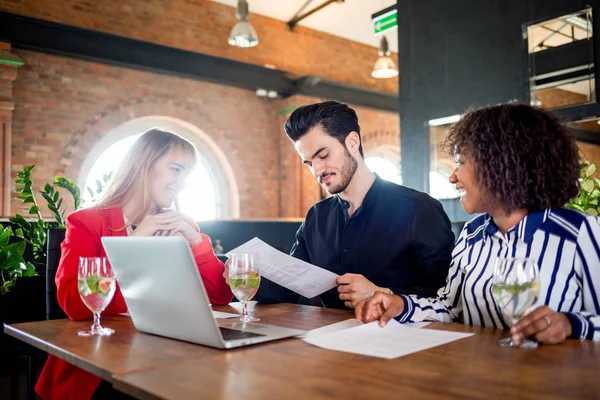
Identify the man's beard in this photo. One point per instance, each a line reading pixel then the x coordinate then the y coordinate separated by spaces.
pixel 348 170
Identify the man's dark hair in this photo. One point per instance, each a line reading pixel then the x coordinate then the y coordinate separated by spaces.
pixel 337 119
pixel 524 157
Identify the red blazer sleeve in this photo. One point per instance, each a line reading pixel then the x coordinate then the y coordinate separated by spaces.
pixel 82 239
pixel 211 270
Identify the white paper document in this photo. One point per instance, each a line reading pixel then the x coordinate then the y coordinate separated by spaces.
pixel 350 323
pixel 299 276
pixel 338 326
pixel 393 341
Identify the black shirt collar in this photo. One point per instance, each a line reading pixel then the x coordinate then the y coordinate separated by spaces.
pixel 367 201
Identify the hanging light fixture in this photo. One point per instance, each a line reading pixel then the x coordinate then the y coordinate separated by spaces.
pixel 243 34
pixel 384 66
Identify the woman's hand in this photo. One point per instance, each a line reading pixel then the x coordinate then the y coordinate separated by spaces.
pixel 226 272
pixel 152 224
pixel 544 324
pixel 171 223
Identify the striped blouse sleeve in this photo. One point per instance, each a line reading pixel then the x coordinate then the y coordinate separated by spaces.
pixel 586 324
pixel 447 306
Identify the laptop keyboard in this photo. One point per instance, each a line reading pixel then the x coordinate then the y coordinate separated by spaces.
pixel 233 334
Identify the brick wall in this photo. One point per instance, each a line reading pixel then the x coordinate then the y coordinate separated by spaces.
pixel 203 26
pixel 63 107
pixel 554 98
pixel 590 152
pixel 8 74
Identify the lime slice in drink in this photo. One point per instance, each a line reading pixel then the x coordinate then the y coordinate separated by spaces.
pixel 235 282
pixel 92 282
pixel 588 185
pixel 253 282
pixel 590 170
pixel 83 287
pixel 515 288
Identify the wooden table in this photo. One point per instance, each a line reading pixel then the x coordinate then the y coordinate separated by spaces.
pixel 151 367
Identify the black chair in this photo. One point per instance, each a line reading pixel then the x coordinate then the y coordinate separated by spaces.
pixel 55 238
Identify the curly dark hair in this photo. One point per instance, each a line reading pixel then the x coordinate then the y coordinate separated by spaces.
pixel 524 157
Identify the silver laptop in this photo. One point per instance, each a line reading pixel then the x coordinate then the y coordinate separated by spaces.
pixel 165 294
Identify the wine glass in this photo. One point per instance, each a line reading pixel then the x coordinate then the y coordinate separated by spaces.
pixel 244 280
pixel 516 288
pixel 97 285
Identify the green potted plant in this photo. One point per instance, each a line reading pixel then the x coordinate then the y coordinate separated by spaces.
pixel 13 267
pixel 12 264
pixel 34 230
pixel 25 299
pixel 588 199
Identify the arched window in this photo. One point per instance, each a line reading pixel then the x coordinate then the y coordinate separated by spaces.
pixel 385 162
pixel 210 191
pixel 440 187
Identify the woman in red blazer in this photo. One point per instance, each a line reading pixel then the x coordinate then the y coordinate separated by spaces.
pixel 146 183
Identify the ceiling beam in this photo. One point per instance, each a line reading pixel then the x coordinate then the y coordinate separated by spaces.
pixel 561 58
pixel 328 90
pixel 580 112
pixel 297 18
pixel 49 37
pixel 584 135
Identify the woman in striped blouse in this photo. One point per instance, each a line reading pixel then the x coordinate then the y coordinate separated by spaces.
pixel 517 165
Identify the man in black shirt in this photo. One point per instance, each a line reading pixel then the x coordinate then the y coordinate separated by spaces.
pixel 377 235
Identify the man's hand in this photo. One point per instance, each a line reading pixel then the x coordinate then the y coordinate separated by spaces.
pixel 354 288
pixel 381 306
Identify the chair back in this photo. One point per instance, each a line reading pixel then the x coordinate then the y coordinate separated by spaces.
pixel 55 238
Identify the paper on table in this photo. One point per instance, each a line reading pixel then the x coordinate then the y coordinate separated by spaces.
pixel 220 314
pixel 392 341
pixel 297 275
pixel 338 326
pixel 350 323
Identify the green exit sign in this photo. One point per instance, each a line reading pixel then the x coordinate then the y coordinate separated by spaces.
pixel 385 20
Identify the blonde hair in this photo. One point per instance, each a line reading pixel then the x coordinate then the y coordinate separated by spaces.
pixel 130 180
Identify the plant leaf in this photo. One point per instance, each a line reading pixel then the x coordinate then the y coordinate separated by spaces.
pixel 70 186
pixel 27 269
pixel 588 185
pixel 5 236
pixel 34 210
pixel 590 170
pixel 11 255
